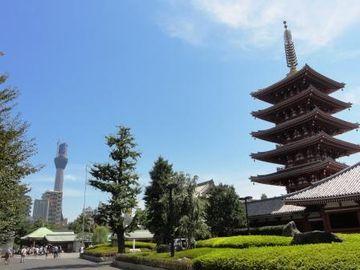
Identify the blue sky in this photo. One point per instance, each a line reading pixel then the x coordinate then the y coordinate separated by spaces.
pixel 179 73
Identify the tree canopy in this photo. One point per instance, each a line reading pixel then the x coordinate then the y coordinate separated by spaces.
pixel 120 180
pixel 15 153
pixel 224 211
pixel 186 216
pixel 155 200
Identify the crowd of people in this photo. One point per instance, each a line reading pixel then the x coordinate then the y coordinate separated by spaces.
pixel 34 251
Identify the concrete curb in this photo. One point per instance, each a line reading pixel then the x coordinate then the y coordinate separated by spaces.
pixel 95 258
pixel 133 266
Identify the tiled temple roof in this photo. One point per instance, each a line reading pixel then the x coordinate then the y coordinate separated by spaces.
pixel 344 185
pixel 331 85
pixel 311 92
pixel 315 115
pixel 271 207
pixel 314 166
pixel 322 137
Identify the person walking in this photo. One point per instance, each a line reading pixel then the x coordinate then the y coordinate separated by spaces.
pixel 7 256
pixel 22 255
pixel 56 251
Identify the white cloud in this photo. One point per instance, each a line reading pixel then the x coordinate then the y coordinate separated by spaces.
pixel 315 23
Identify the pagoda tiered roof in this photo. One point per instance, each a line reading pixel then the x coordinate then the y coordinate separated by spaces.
pixel 332 125
pixel 342 186
pixel 305 75
pixel 310 95
pixel 279 177
pixel 302 111
pixel 277 155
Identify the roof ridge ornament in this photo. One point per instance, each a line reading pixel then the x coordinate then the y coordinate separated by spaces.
pixel 290 53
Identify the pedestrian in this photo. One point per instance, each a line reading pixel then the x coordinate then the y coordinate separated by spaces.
pixel 7 256
pixel 56 250
pixel 23 254
pixel 46 250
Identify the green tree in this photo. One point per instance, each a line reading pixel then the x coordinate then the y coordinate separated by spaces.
pixel 263 196
pixel 86 221
pixel 141 217
pixel 224 211
pixel 120 180
pixel 100 235
pixel 15 153
pixel 156 202
pixel 191 223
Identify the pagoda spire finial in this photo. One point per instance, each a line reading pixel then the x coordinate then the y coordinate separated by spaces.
pixel 290 53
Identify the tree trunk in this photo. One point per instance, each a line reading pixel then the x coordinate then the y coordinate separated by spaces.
pixel 120 241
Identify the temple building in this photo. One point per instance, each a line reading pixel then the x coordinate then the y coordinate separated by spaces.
pixel 302 112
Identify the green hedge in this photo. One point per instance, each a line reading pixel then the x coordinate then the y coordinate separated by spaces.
pixel 265 230
pixel 245 241
pixel 101 251
pixel 107 250
pixel 335 256
pixel 183 264
pixel 141 245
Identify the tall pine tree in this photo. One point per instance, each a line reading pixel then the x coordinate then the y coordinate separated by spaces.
pixel 120 179
pixel 15 153
pixel 156 202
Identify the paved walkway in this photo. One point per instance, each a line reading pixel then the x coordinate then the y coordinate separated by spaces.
pixel 66 261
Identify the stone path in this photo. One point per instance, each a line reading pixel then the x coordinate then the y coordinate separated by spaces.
pixel 66 261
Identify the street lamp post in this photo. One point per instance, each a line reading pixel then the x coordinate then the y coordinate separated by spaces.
pixel 83 218
pixel 246 199
pixel 171 218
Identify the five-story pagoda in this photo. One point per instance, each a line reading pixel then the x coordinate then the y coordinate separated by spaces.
pixel 302 111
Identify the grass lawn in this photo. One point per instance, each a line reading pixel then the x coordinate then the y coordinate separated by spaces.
pixel 335 256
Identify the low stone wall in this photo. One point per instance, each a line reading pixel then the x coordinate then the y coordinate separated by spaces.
pixel 95 258
pixel 133 266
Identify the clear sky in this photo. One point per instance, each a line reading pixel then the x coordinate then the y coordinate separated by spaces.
pixel 179 73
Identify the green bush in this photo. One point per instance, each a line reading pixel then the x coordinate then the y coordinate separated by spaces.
pixel 335 256
pixel 245 241
pixel 142 258
pixel 141 245
pixel 107 250
pixel 101 251
pixel 265 230
pixel 100 235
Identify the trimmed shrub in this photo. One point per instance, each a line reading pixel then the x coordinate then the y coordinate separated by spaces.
pixel 334 256
pixel 101 251
pixel 141 245
pixel 245 241
pixel 265 230
pixel 181 264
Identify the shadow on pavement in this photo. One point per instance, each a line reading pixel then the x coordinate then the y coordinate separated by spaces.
pixel 70 266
